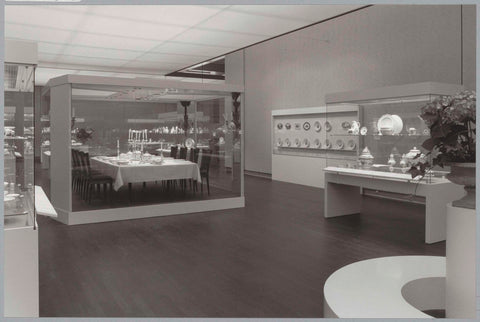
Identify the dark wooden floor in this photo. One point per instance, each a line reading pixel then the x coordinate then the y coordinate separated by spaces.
pixel 269 259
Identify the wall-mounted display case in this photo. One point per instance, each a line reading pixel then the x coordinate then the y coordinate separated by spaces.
pixel 305 138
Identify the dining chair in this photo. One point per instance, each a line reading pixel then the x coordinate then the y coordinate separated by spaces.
pixel 77 171
pixel 193 157
pixel 173 151
pixel 183 153
pixel 94 179
pixel 205 169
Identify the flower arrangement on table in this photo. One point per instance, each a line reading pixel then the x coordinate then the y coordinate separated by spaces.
pixel 83 135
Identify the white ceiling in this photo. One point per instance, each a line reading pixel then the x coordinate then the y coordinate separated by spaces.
pixel 148 39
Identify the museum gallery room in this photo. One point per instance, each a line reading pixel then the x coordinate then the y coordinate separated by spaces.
pixel 249 161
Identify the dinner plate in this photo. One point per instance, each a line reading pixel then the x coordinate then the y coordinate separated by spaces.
pixel 339 144
pixel 351 145
pixel 346 125
pixel 189 143
pixel 317 143
pixel 328 145
pixel 306 143
pixel 390 123
pixel 328 126
pixel 318 126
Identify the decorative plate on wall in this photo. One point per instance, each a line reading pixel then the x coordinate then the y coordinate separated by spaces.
pixel 339 144
pixel 280 126
pixel 189 143
pixel 279 142
pixel 306 143
pixel 297 126
pixel 297 142
pixel 328 145
pixel 287 126
pixel 318 126
pixel 328 126
pixel 351 145
pixel 317 143
pixel 363 130
pixel 306 126
pixel 346 125
pixel 287 142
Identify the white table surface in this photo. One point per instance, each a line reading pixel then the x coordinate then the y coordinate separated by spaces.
pixel 373 288
pixel 382 175
pixel 170 169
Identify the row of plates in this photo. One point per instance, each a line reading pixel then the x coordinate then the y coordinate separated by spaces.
pixel 317 126
pixel 339 144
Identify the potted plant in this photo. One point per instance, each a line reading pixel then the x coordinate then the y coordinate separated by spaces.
pixel 451 120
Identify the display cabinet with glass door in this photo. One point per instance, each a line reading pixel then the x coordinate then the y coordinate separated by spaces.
pixel 388 134
pixel 18 146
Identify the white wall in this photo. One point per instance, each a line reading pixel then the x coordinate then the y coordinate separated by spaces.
pixel 377 46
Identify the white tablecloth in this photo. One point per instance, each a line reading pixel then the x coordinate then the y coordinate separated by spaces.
pixel 170 169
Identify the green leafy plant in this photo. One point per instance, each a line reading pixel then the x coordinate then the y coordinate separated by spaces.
pixel 451 120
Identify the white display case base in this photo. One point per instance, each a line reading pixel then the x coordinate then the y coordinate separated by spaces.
pixel 343 195
pixel 460 281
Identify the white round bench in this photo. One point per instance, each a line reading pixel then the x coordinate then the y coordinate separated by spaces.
pixel 386 287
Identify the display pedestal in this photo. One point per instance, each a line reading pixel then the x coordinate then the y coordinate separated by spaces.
pixel 460 273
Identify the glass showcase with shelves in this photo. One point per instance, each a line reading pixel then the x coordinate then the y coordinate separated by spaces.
pixel 388 133
pixel 18 146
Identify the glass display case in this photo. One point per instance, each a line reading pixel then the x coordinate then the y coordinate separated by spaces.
pixel 143 143
pixel 388 134
pixel 18 146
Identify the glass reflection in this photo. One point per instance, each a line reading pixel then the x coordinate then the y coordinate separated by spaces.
pixel 144 148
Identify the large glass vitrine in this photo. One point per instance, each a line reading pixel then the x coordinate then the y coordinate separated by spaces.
pixel 18 146
pixel 144 143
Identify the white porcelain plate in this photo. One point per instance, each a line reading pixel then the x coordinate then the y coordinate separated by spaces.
pixel 189 143
pixel 306 126
pixel 306 143
pixel 339 144
pixel 351 145
pixel 328 145
pixel 328 126
pixel 393 122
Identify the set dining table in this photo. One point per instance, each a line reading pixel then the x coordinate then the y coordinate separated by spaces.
pixel 125 172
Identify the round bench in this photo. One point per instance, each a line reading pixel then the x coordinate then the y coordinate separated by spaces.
pixel 386 287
